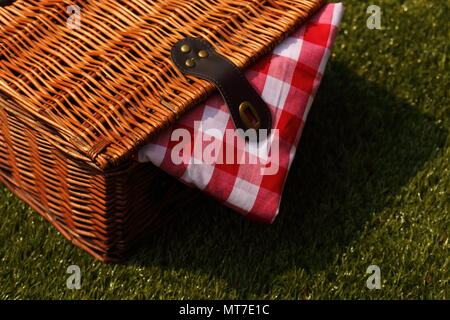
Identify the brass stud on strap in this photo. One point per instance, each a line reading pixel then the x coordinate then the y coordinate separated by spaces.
pixel 190 63
pixel 185 48
pixel 203 54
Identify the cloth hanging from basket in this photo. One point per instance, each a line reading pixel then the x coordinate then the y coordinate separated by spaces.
pixel 287 80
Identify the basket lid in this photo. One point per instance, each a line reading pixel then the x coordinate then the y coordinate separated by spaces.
pixel 98 75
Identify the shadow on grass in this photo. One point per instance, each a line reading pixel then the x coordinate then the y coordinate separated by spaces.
pixel 360 146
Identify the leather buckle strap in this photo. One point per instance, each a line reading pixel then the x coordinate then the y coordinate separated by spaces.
pixel 197 57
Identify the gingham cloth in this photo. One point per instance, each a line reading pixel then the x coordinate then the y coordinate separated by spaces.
pixel 287 80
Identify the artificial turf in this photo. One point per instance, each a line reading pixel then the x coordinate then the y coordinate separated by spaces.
pixel 370 186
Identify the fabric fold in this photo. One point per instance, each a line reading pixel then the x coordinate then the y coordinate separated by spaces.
pixel 204 151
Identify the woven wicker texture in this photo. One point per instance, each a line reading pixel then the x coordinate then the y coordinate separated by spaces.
pixel 107 87
pixel 104 213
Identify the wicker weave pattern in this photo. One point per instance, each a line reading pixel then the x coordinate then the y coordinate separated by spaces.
pixel 106 88
pixel 103 213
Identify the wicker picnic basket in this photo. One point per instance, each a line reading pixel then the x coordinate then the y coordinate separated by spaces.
pixel 77 103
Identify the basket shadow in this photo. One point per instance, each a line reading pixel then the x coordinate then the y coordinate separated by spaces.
pixel 360 146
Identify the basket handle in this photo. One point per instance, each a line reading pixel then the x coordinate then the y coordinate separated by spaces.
pixel 198 58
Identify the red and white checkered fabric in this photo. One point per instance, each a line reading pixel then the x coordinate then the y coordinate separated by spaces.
pixel 287 80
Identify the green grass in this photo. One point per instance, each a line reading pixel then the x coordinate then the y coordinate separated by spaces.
pixel 370 185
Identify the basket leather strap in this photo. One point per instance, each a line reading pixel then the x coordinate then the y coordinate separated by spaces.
pixel 197 57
